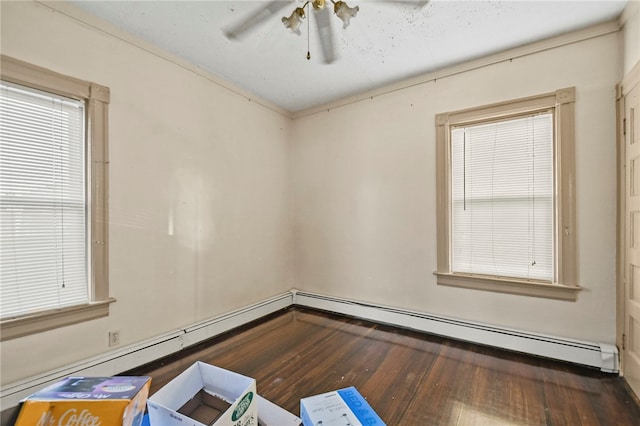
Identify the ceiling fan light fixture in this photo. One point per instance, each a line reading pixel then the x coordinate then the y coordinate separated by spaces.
pixel 293 22
pixel 344 12
pixel 318 4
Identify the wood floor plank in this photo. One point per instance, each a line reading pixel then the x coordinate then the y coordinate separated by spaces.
pixel 409 378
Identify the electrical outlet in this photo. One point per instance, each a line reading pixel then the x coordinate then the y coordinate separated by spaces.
pixel 114 338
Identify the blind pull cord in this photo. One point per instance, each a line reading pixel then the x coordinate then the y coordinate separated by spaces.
pixel 464 170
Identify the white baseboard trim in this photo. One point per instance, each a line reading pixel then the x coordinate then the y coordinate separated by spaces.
pixel 206 329
pixel 599 355
pixel 132 356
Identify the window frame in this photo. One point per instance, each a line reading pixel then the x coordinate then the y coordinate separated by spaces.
pixel 566 287
pixel 96 98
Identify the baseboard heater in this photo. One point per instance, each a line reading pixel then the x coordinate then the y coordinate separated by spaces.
pixel 602 356
pixel 132 356
pixel 599 355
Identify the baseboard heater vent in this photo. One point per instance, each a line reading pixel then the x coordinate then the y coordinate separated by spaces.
pixel 132 356
pixel 602 356
pixel 599 355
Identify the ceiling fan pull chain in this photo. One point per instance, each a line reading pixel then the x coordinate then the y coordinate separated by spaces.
pixel 308 48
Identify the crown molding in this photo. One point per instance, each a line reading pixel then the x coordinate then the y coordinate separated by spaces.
pixel 96 24
pixel 599 30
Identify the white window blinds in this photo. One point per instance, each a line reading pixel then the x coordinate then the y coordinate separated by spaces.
pixel 502 198
pixel 43 244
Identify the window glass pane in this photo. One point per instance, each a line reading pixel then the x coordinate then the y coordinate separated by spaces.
pixel 502 198
pixel 43 244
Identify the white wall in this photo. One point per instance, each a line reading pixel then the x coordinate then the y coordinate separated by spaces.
pixel 365 195
pixel 630 36
pixel 201 191
pixel 200 196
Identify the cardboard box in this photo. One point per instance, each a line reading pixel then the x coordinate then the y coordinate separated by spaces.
pixel 338 408
pixel 204 407
pixel 119 400
pixel 269 414
pixel 208 385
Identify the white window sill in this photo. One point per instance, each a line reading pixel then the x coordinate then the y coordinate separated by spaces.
pixel 30 324
pixel 509 285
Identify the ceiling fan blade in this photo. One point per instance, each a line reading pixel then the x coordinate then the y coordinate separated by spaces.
pixel 418 4
pixel 256 18
pixel 323 22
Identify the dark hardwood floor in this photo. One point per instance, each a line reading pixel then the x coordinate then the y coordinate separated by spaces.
pixel 409 378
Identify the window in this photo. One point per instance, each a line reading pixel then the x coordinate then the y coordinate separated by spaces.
pixel 506 197
pixel 53 191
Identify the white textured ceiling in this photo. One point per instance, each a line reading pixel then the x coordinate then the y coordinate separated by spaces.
pixel 387 41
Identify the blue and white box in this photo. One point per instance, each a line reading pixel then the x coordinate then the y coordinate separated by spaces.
pixel 338 408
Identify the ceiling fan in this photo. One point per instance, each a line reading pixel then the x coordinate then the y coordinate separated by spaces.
pixel 322 15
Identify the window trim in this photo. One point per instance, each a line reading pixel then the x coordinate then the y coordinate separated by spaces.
pixel 566 288
pixel 97 99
